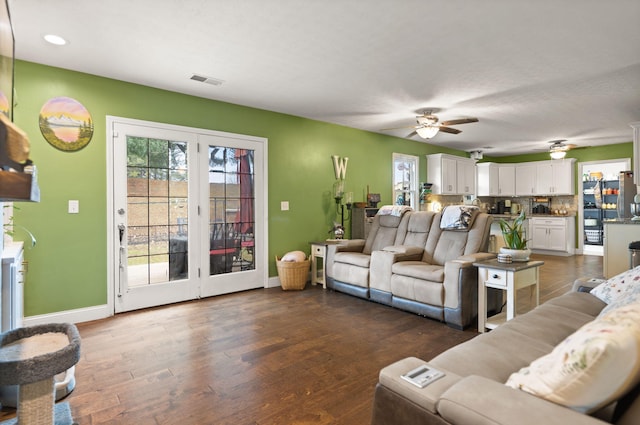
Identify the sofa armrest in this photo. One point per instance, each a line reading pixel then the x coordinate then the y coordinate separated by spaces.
pixel 350 245
pixel 383 261
pixel 478 400
pixel 585 284
pixel 477 257
pixel 453 272
pixel 404 250
pixel 426 397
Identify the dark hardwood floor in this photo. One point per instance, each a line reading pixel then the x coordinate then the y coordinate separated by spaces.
pixel 265 356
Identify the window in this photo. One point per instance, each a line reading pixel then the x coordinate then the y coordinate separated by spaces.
pixel 405 180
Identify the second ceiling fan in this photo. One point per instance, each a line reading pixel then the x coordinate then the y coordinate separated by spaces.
pixel 428 125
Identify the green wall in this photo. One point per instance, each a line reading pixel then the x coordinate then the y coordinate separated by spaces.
pixel 582 154
pixel 68 267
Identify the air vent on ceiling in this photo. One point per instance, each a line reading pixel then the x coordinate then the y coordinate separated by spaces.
pixel 208 80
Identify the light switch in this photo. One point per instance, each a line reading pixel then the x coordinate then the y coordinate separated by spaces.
pixel 74 206
pixel 284 206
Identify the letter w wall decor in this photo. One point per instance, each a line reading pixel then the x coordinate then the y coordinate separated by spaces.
pixel 340 166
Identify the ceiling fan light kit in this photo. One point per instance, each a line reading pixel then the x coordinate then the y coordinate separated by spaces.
pixel 557 154
pixel 427 132
pixel 429 125
pixel 558 149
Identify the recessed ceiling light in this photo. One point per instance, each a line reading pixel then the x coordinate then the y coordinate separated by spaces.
pixel 55 39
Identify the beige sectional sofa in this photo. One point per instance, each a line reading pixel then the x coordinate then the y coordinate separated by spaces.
pixel 554 345
pixel 412 261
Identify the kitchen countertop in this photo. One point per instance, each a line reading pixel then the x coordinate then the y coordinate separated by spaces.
pixel 569 215
pixel 621 221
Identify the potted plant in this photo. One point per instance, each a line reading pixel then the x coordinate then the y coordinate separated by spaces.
pixel 514 238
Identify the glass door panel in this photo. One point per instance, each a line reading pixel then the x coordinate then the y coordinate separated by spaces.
pixel 152 187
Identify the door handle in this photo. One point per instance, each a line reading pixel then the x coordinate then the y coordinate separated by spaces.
pixel 121 232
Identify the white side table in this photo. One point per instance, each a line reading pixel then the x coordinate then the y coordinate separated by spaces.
pixel 509 277
pixel 319 251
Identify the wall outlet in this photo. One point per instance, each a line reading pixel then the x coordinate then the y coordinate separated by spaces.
pixel 284 206
pixel 74 206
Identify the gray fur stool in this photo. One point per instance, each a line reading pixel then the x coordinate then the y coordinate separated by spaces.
pixel 31 357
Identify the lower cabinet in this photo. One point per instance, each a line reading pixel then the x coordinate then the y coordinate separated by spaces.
pixel 552 234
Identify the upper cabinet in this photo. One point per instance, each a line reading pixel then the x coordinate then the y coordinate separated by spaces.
pixel 451 175
pixel 526 179
pixel 496 179
pixel 555 177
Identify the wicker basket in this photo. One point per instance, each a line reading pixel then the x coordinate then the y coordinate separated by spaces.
pixel 293 274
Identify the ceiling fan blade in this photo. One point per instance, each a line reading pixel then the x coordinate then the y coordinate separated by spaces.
pixel 397 128
pixel 450 130
pixel 413 133
pixel 460 121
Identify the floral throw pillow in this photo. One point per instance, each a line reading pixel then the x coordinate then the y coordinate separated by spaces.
pixel 621 286
pixel 592 367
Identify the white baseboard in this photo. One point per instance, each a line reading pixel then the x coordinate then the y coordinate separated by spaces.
pixel 94 313
pixel 70 316
pixel 273 281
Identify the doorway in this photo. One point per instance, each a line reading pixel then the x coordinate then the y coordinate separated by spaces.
pixel 186 213
pixel 610 170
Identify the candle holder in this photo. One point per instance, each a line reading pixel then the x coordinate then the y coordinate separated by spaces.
pixel 339 195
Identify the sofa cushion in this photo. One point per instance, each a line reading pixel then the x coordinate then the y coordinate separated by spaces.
pixel 383 235
pixel 451 245
pixel 422 291
pixel 592 367
pixel 579 302
pixel 354 258
pixel 620 290
pixel 417 229
pixel 520 341
pixel 419 270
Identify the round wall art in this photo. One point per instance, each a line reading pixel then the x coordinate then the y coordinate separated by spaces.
pixel 66 124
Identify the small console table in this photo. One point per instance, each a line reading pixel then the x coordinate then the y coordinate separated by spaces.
pixel 509 277
pixel 319 252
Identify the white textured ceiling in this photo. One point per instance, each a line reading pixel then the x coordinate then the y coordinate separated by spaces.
pixel 530 71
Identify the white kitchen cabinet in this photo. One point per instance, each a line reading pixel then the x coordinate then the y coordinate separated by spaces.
pixel 555 177
pixel 466 176
pixel 451 175
pixel 495 179
pixel 552 234
pixel 507 179
pixel 525 179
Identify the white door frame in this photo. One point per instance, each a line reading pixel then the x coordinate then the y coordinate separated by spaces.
pixel 111 230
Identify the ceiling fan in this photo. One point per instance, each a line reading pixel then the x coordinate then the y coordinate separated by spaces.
pixel 559 149
pixel 429 125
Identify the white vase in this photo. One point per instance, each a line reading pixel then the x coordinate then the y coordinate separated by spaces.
pixel 520 255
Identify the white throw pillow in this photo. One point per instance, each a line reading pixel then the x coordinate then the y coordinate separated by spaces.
pixel 294 256
pixel 594 366
pixel 620 290
pixel 618 286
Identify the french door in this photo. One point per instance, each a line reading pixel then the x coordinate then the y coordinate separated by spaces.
pixel 187 218
pixel 234 193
